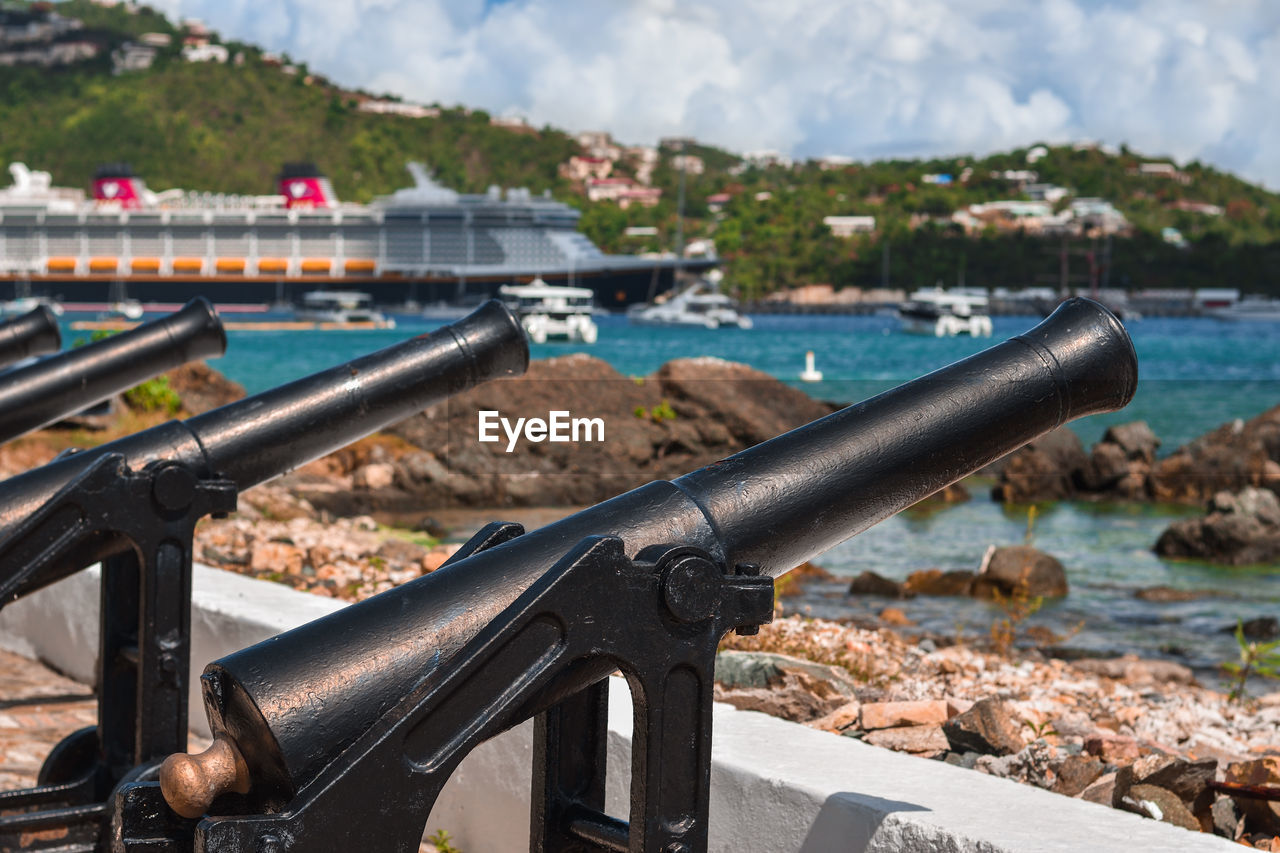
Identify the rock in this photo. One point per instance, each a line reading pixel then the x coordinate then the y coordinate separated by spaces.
pixel 1137 671
pixel 1020 570
pixel 1262 628
pixel 201 388
pixel 938 582
pixel 1135 439
pixel 787 687
pixel 894 617
pixel 967 760
pixel 870 583
pixel 1188 780
pixel 1031 765
pixel 1112 749
pixel 842 718
pixel 1159 804
pixel 1108 465
pixel 1044 470
pixel 1076 773
pixel 401 551
pixel 913 739
pixel 437 557
pixel 275 557
pixel 888 715
pixel 1226 818
pixel 378 475
pixel 1169 595
pixel 1261 815
pixel 987 728
pixel 748 669
pixel 794 581
pixel 1101 790
pixel 1238 529
pixel 709 409
pixel 1232 457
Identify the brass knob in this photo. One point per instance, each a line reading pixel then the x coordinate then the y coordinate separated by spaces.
pixel 190 783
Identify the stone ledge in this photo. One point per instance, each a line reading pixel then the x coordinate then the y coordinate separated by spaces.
pixel 775 785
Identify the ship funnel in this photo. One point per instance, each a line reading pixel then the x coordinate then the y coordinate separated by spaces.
pixel 303 185
pixel 115 183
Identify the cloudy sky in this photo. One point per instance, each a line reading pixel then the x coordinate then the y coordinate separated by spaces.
pixel 1191 79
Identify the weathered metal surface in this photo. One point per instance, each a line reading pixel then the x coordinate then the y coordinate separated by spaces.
pixel 44 392
pixel 342 685
pixel 33 333
pixel 257 438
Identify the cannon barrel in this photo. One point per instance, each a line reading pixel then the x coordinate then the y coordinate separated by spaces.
pixel 294 702
pixel 260 437
pixel 49 390
pixel 33 333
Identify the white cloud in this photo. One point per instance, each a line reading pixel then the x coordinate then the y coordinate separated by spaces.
pixel 1187 78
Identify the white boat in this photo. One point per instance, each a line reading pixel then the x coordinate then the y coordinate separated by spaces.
pixel 552 312
pixel 696 306
pixel 943 313
pixel 342 308
pixel 1250 307
pixel 130 309
pixel 23 304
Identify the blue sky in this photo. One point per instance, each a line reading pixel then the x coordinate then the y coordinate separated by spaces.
pixel 1190 79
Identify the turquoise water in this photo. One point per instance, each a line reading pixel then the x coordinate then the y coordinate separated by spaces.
pixel 1195 374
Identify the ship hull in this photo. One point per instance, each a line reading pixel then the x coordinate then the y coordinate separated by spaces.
pixel 613 288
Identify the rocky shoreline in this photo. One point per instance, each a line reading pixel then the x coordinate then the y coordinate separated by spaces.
pixel 1136 735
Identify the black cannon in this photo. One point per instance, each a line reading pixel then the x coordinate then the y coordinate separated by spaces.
pixel 42 393
pixel 133 503
pixel 33 333
pixel 341 733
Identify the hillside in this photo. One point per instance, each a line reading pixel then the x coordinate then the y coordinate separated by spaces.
pixel 229 127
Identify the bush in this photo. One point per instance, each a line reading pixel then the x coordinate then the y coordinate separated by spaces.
pixel 154 395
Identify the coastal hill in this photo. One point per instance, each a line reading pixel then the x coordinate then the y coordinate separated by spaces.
pixel 188 109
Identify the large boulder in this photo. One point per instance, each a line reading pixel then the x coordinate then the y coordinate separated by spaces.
pixel 1119 464
pixel 938 582
pixel 202 388
pixel 1019 570
pixel 1239 529
pixel 870 583
pixel 688 414
pixel 1044 470
pixel 1232 457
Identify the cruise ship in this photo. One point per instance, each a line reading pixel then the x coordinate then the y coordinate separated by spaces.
pixel 421 244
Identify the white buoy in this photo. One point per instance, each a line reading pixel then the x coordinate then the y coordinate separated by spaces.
pixel 810 373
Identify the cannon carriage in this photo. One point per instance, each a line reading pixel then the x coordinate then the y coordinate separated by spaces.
pixel 341 733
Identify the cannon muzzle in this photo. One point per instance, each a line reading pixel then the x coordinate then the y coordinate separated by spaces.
pixel 33 333
pixel 260 437
pixel 49 390
pixel 294 702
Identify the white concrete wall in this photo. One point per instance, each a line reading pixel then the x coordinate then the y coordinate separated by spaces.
pixel 776 786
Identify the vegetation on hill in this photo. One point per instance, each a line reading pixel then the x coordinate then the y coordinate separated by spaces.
pixel 230 127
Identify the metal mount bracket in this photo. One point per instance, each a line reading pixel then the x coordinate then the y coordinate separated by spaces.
pixel 144 637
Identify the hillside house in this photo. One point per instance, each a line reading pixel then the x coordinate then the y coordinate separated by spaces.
pixel 847 226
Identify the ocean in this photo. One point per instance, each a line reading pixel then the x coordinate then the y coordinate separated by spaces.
pixel 1195 374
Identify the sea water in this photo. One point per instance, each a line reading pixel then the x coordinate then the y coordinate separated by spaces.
pixel 1195 374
